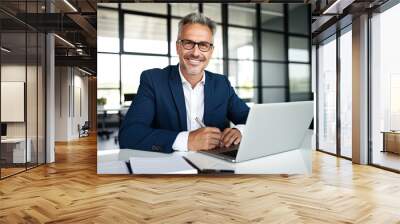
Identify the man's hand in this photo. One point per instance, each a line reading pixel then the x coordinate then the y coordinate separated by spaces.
pixel 231 136
pixel 204 139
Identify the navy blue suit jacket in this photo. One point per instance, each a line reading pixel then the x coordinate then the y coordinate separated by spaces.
pixel 158 112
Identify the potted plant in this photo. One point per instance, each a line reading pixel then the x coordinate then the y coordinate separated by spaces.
pixel 101 102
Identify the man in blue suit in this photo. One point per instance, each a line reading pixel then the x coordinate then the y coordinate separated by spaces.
pixel 173 104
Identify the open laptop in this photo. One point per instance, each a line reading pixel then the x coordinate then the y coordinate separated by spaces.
pixel 270 129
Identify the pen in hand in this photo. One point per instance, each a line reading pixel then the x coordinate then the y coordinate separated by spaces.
pixel 202 125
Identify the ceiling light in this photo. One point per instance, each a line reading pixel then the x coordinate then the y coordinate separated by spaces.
pixel 64 40
pixel 5 50
pixel 70 5
pixel 338 6
pixel 84 71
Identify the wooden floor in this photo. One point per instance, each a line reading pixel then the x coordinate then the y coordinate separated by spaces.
pixel 70 191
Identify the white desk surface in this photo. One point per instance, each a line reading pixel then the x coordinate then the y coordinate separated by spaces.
pixel 13 140
pixel 292 162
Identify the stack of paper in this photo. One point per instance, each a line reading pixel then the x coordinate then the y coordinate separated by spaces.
pixel 173 164
pixel 112 167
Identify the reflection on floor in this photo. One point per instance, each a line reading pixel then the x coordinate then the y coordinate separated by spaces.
pixel 110 143
pixel 386 159
pixel 10 171
pixel 347 152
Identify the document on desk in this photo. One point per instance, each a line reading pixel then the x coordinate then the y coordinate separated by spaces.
pixel 112 167
pixel 173 164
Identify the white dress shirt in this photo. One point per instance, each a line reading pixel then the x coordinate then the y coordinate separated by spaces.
pixel 194 103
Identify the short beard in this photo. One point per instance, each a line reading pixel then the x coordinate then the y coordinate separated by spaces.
pixel 190 71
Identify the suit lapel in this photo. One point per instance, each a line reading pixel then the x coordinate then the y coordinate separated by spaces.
pixel 175 84
pixel 208 96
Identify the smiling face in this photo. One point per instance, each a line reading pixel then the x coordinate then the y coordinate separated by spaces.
pixel 193 62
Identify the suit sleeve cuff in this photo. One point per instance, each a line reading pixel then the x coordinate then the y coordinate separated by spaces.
pixel 240 127
pixel 181 142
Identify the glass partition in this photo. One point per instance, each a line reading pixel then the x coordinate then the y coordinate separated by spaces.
pixel 346 93
pixel 15 149
pixel 327 97
pixel 22 77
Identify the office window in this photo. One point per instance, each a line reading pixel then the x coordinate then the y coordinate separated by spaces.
pixel 218 50
pixel 216 66
pixel 243 14
pixel 242 73
pixel 132 67
pixel 108 78
pixel 274 95
pixel 174 35
pixel 299 85
pixel 247 94
pixel 241 43
pixel 385 88
pixel 346 93
pixel 111 96
pixel 213 11
pixel 298 49
pixel 182 9
pixel 107 31
pixel 274 74
pixel 299 19
pixel 147 35
pixel 272 16
pixel 108 70
pixel 273 46
pixel 145 7
pixel 327 97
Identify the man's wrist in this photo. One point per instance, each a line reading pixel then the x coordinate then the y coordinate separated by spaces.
pixel 240 127
pixel 181 142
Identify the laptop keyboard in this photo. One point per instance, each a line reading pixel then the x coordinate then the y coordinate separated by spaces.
pixel 232 153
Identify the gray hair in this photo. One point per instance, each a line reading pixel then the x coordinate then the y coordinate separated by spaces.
pixel 197 18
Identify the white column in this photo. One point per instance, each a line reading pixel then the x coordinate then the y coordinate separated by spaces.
pixel 50 99
pixel 360 90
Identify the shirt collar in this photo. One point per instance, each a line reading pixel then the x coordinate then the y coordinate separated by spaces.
pixel 202 81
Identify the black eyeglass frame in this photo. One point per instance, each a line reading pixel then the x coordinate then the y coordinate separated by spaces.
pixel 194 43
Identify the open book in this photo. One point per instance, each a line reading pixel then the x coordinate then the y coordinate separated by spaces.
pixel 173 164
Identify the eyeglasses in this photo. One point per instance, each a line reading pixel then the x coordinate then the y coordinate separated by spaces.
pixel 189 45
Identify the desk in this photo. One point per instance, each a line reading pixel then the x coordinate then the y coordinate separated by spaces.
pixel 293 162
pixel 104 113
pixel 15 148
pixel 391 141
pixel 296 161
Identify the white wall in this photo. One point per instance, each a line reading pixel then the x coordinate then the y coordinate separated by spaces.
pixel 71 102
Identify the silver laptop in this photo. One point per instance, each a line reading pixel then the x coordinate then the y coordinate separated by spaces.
pixel 270 129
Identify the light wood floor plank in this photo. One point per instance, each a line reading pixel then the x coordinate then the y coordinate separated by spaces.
pixel 70 191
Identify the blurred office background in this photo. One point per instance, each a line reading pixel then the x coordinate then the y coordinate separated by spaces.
pixel 264 49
